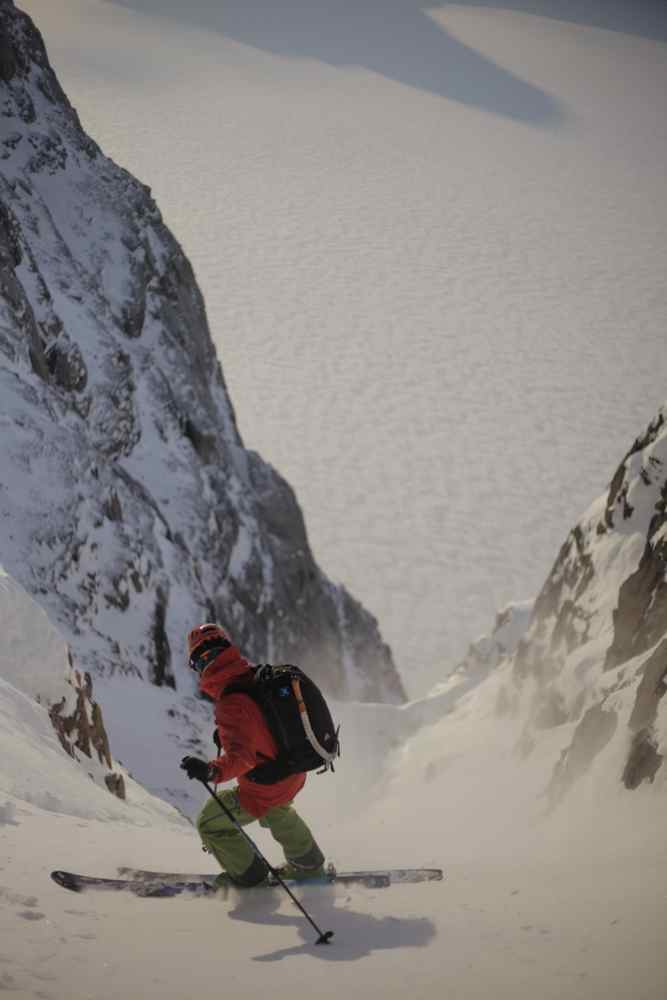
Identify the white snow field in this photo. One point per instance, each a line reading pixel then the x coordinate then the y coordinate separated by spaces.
pixel 538 902
pixel 431 238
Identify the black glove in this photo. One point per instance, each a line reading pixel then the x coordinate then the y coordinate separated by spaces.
pixel 194 767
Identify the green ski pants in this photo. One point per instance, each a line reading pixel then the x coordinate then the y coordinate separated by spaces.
pixel 235 855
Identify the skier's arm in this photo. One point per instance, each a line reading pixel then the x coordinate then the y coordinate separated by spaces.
pixel 235 762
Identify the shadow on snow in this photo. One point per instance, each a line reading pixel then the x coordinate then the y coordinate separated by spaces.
pixel 356 935
pixel 395 39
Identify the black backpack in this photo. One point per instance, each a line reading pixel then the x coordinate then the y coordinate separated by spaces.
pixel 297 716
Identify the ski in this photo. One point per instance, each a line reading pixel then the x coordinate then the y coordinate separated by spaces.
pixel 166 884
pixel 382 877
pixel 138 887
pixel 155 884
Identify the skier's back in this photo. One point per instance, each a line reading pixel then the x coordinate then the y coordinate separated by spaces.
pixel 244 736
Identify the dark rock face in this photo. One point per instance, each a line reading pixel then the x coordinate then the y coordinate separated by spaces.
pixel 558 613
pixel 639 619
pixel 644 760
pixel 129 507
pixel 7 60
pixel 600 622
pixel 618 489
pixel 80 729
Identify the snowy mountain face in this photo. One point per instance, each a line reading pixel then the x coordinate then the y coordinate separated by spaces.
pixel 129 507
pixel 596 650
pixel 570 685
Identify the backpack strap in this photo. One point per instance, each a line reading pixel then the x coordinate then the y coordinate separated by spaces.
pixel 327 757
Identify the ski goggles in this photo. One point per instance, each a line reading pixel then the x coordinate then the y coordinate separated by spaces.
pixel 205 652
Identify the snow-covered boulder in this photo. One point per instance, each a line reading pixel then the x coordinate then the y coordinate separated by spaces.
pixel 129 507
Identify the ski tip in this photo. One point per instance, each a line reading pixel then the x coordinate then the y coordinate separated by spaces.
pixel 66 880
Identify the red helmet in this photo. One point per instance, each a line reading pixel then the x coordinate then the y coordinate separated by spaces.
pixel 204 644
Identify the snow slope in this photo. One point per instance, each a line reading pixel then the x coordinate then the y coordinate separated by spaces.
pixel 431 239
pixel 539 900
pixel 556 872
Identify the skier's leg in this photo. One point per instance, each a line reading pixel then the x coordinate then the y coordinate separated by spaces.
pixel 221 838
pixel 301 850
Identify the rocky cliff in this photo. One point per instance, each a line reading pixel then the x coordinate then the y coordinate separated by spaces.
pixel 129 507
pixel 580 673
pixel 595 655
pixel 35 660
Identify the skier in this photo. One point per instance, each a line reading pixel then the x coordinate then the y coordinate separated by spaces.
pixel 243 734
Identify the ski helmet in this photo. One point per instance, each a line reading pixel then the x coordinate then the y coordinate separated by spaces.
pixel 204 644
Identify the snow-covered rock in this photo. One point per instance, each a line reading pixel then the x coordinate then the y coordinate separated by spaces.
pixel 596 653
pixel 576 678
pixel 129 507
pixel 37 771
pixel 35 660
pixel 487 652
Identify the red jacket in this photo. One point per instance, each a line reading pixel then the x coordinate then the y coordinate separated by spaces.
pixel 244 736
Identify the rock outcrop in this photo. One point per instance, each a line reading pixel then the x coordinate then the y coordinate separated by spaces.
pixel 129 507
pixel 80 729
pixel 35 660
pixel 595 656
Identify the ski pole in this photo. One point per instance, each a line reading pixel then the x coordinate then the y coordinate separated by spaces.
pixel 324 936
